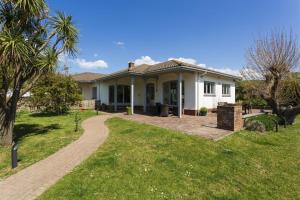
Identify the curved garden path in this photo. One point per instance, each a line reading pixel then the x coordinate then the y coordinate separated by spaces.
pixel 35 179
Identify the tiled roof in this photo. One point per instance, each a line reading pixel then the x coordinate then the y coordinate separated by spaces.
pixel 165 66
pixel 87 76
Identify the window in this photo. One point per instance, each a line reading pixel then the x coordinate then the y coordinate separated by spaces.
pixel 150 93
pixel 123 94
pixel 209 88
pixel 170 92
pixel 111 96
pixel 94 93
pixel 225 89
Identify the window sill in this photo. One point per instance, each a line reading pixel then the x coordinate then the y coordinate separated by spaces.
pixel 224 95
pixel 209 95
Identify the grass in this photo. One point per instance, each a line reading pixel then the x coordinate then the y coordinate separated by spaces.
pixel 40 135
pixel 145 162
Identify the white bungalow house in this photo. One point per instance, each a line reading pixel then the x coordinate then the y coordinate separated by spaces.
pixel 184 86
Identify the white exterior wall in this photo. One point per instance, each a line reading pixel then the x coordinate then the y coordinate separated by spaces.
pixel 212 101
pixel 87 90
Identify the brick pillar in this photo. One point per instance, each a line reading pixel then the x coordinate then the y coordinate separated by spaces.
pixel 230 117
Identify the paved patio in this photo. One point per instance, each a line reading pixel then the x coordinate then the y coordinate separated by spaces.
pixel 205 126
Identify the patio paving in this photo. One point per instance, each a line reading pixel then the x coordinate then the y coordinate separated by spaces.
pixel 205 126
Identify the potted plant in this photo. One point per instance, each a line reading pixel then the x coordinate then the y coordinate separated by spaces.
pixel 203 111
pixel 129 111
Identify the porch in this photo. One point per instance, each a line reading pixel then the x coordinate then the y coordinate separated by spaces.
pixel 147 93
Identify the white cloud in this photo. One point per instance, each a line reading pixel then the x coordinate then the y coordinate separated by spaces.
pixel 90 64
pixel 226 71
pixel 120 44
pixel 145 60
pixel 194 62
pixel 148 60
pixel 186 60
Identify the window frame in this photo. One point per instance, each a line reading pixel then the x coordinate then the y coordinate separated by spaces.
pixel 211 86
pixel 226 87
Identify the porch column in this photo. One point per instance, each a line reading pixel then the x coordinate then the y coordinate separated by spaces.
pixel 132 95
pixel 115 97
pixel 98 91
pixel 179 94
pixel 145 94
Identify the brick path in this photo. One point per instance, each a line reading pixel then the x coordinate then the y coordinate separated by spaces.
pixel 35 179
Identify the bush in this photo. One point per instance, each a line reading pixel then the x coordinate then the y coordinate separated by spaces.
pixel 203 111
pixel 254 125
pixel 55 93
pixel 268 122
pixel 129 112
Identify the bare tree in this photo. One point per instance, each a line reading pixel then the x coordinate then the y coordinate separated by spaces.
pixel 271 60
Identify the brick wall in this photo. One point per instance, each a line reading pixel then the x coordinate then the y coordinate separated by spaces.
pixel 229 117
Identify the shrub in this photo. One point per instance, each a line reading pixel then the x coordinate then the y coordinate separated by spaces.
pixel 129 111
pixel 254 125
pixel 203 111
pixel 267 120
pixel 54 93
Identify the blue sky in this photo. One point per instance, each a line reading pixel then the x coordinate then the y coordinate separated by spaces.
pixel 216 33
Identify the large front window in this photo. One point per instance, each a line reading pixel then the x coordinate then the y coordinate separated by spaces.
pixel 123 94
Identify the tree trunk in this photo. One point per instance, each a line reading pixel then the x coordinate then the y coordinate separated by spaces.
pixel 7 119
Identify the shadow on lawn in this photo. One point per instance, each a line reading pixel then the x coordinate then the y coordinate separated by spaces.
pixel 45 114
pixel 23 130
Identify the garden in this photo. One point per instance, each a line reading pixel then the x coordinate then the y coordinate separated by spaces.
pixel 141 161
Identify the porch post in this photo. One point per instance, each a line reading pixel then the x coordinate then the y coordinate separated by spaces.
pixel 179 94
pixel 145 94
pixel 132 95
pixel 98 91
pixel 115 97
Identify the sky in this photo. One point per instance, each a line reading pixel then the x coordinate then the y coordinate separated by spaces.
pixel 212 33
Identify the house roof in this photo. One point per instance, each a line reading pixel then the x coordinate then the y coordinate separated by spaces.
pixel 170 65
pixel 87 77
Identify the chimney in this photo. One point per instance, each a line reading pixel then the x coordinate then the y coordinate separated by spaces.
pixel 130 66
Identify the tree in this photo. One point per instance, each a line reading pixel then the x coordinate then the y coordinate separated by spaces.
pixel 271 60
pixel 30 43
pixel 55 93
pixel 290 91
pixel 246 91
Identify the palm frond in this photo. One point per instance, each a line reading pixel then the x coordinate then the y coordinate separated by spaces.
pixel 66 32
pixel 13 48
pixel 32 7
pixel 47 60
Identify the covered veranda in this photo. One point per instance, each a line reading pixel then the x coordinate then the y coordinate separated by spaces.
pixel 142 93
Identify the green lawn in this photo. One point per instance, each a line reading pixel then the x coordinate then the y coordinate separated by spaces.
pixel 144 162
pixel 40 136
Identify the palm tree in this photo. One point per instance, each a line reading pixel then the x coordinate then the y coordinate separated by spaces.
pixel 30 43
